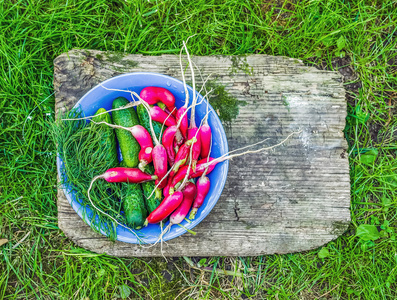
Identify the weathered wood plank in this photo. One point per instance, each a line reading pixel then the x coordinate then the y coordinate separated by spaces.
pixel 294 198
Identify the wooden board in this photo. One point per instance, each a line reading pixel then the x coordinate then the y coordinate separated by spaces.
pixel 294 198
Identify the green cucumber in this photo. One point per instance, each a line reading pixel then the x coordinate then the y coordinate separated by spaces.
pixel 144 119
pixel 134 207
pixel 154 201
pixel 108 137
pixel 128 145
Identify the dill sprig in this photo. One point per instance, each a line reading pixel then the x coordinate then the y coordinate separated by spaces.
pixel 84 154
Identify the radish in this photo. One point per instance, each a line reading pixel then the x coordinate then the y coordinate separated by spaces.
pixel 166 207
pixel 203 183
pixel 180 213
pixel 205 135
pixel 132 175
pixel 201 167
pixel 196 146
pixel 203 186
pixel 166 190
pixel 181 118
pixel 145 141
pixel 168 138
pixel 119 174
pixel 159 115
pixel 154 94
pixel 205 139
pixel 159 155
pixel 181 156
pixel 160 164
pixel 189 193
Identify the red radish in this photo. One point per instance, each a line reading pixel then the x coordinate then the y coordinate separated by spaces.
pixel 145 141
pixel 191 133
pixel 154 94
pixel 168 138
pixel 181 157
pixel 145 157
pixel 203 183
pixel 166 207
pixel 159 154
pixel 159 115
pixel 181 118
pixel 120 174
pixel 166 190
pixel 202 165
pixel 205 139
pixel 172 112
pixel 189 193
pixel 131 175
pixel 180 213
pixel 160 164
pixel 203 186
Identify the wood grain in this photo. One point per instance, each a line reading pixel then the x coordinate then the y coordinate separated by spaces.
pixel 292 199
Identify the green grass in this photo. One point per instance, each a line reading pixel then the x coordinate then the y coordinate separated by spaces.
pixel 46 265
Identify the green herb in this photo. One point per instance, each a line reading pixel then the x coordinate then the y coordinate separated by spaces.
pixel 84 155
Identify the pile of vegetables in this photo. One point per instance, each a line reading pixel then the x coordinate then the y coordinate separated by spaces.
pixel 160 154
pixel 165 158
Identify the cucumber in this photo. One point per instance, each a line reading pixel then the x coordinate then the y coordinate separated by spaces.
pixel 153 202
pixel 108 137
pixel 128 145
pixel 144 119
pixel 134 207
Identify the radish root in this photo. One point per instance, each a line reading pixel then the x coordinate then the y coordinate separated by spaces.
pixel 184 81
pixel 192 114
pixel 227 156
pixel 131 104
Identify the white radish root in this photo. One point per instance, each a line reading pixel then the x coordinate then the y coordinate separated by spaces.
pixel 228 156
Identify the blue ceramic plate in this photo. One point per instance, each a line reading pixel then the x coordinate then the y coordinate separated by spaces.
pixel 99 97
